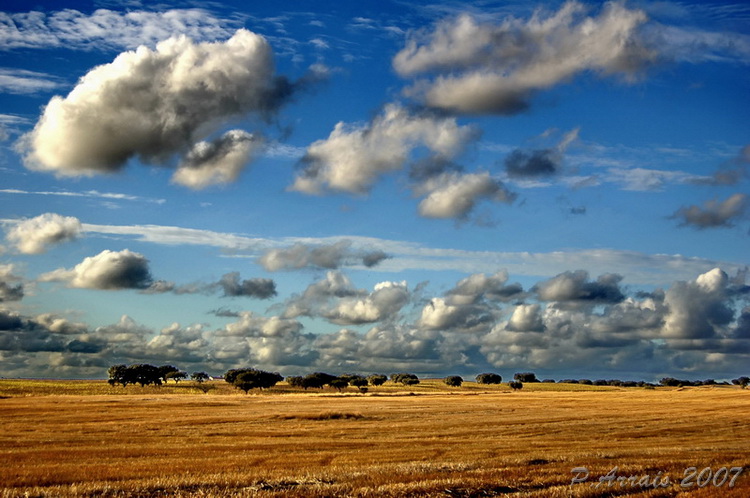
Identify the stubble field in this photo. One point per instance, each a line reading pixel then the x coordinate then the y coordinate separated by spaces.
pixel 85 438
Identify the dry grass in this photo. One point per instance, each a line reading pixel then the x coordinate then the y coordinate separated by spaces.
pixel 473 441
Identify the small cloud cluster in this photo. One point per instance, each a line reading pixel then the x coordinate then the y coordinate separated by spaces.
pixel 575 287
pixel 486 68
pixel 454 195
pixel 154 104
pixel 108 270
pixel 262 288
pixel 11 285
pixel 230 284
pixel 327 256
pixel 730 172
pixel 353 157
pixel 713 213
pixel 335 299
pixel 217 162
pixel 35 235
pixel 539 163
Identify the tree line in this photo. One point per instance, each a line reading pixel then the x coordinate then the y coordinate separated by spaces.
pixel 247 379
pixel 145 375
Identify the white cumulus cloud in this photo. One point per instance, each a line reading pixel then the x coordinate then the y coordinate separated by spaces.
pixel 108 270
pixel 35 235
pixel 353 157
pixel 153 104
pixel 495 68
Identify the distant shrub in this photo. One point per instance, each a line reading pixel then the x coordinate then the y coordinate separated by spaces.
pixel 585 382
pixel 671 382
pixel 515 385
pixel 548 381
pixel 454 380
pixel 488 378
pixel 743 381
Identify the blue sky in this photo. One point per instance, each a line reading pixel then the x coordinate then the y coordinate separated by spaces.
pixel 444 188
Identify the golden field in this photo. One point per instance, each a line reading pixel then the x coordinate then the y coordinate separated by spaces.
pixel 85 438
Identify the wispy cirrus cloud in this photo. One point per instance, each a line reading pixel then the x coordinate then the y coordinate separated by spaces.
pixel 23 82
pixel 108 29
pixel 92 194
pixel 636 267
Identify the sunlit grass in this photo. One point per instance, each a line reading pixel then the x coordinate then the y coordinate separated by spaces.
pixel 441 441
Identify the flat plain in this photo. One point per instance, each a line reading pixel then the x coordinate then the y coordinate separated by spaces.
pixel 85 438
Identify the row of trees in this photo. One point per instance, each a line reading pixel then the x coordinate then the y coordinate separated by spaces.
pixel 145 374
pixel 251 378
pixel 247 379
pixel 484 378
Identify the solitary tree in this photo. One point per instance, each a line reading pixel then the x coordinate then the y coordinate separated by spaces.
pixel 166 370
pixel 317 380
pixel 515 385
pixel 250 378
pixel 117 375
pixel 176 376
pixel 406 379
pixel 339 383
pixel 199 378
pixel 295 380
pixel 357 381
pixel 743 381
pixel 377 379
pixel 454 380
pixel 488 378
pixel 525 377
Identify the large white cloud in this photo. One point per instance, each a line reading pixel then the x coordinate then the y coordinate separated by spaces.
pixel 33 236
pixel 698 309
pixel 154 104
pixel 494 68
pixel 353 157
pixel 108 270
